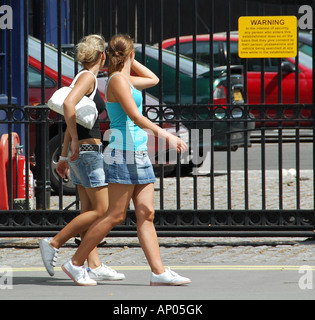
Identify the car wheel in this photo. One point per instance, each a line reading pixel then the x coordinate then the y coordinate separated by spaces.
pixel 68 187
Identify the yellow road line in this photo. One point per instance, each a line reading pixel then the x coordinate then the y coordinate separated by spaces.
pixel 188 268
pixel 244 268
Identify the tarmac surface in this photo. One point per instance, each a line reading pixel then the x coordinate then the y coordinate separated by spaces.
pixel 220 269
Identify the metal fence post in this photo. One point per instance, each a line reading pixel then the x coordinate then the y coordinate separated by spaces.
pixel 42 188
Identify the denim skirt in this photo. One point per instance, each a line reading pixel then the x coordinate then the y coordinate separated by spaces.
pixel 88 170
pixel 128 167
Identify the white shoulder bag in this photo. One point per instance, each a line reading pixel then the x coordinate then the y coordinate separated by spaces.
pixel 86 111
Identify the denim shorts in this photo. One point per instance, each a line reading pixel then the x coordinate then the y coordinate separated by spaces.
pixel 128 167
pixel 88 170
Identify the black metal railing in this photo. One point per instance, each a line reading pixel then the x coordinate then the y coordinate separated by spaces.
pixel 225 185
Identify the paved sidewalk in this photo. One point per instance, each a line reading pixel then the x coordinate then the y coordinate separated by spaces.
pixel 220 268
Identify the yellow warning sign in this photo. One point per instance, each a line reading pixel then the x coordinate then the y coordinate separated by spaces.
pixel 267 37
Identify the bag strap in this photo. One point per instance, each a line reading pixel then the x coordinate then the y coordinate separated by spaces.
pixel 92 95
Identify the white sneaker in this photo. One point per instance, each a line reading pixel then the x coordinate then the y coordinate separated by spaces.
pixel 168 278
pixel 49 255
pixel 78 274
pixel 104 272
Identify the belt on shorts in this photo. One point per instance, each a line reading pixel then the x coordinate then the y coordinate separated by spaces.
pixel 91 147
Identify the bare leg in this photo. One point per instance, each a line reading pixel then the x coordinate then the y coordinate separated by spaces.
pixel 143 199
pixel 93 258
pixel 82 222
pixel 98 197
pixel 120 196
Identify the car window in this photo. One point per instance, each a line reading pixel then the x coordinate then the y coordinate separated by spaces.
pixel 203 55
pixel 305 48
pixel 35 79
pixel 235 59
pixel 305 60
pixel 254 65
pixel 51 58
pixel 169 59
pixel 271 65
pixel 203 51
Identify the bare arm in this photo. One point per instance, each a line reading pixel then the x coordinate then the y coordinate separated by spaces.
pixel 83 86
pixel 121 91
pixel 145 78
pixel 66 143
pixel 63 166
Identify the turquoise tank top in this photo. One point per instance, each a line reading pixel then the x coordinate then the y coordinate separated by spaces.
pixel 125 135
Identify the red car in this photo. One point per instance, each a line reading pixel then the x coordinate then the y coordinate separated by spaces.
pixel 254 71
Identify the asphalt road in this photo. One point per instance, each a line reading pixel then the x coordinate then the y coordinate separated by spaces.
pixel 220 269
pixel 271 157
pixel 222 282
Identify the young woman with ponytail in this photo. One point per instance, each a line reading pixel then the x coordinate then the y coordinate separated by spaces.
pixel 86 163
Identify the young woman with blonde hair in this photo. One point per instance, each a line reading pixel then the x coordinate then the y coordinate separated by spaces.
pixel 128 168
pixel 86 162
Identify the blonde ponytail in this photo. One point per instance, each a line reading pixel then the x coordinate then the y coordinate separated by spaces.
pixel 90 48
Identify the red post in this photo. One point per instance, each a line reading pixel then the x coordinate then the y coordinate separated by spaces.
pixel 4 165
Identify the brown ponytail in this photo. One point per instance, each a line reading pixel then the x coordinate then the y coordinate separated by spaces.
pixel 119 49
